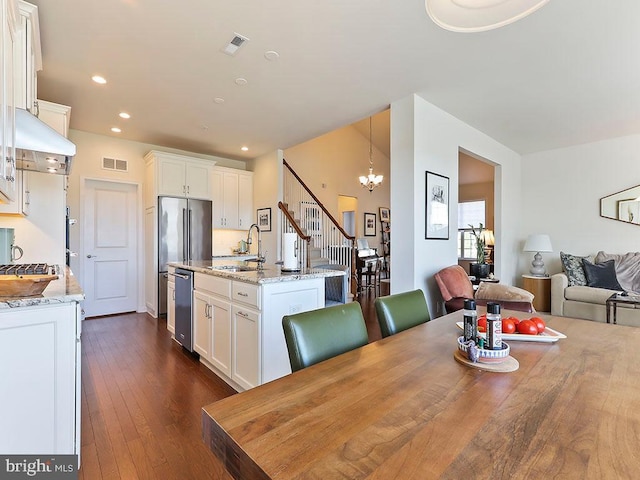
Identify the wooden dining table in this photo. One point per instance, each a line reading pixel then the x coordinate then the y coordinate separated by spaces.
pixel 404 408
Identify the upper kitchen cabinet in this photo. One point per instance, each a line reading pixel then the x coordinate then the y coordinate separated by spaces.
pixel 29 57
pixel 232 198
pixel 8 54
pixel 174 175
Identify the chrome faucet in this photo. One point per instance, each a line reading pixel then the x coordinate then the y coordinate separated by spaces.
pixel 261 258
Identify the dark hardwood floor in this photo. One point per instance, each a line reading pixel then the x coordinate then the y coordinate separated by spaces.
pixel 142 396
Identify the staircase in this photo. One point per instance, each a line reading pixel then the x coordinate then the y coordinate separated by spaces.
pixel 321 239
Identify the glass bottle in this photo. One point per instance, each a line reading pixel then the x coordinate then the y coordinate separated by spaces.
pixel 494 327
pixel 470 320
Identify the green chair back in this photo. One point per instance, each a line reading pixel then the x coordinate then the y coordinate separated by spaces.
pixel 317 335
pixel 401 311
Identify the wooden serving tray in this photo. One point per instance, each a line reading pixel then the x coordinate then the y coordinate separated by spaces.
pixel 24 285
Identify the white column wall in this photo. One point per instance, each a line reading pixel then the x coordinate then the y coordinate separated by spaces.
pixel 424 137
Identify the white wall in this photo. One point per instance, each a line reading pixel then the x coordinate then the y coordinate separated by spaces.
pixel 561 192
pixel 330 166
pixel 425 138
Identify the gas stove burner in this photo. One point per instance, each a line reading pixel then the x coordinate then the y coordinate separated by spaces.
pixel 25 269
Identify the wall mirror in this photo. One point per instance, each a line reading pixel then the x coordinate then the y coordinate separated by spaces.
pixel 623 206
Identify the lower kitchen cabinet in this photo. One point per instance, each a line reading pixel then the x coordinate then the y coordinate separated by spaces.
pixel 238 326
pixel 40 372
pixel 246 347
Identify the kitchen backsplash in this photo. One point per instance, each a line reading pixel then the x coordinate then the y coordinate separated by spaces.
pixel 225 241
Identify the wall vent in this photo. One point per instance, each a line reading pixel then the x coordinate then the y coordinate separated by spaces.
pixel 234 44
pixel 115 164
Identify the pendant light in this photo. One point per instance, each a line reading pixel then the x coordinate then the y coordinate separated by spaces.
pixel 371 181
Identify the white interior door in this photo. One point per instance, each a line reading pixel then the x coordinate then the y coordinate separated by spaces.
pixel 110 246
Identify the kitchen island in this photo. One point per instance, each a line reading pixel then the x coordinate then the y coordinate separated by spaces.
pixel 40 370
pixel 403 407
pixel 237 316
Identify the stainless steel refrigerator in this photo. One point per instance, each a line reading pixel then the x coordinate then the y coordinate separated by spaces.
pixel 184 235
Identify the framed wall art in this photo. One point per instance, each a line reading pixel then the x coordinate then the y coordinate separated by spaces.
pixel 369 224
pixel 264 219
pixel 436 207
pixel 385 214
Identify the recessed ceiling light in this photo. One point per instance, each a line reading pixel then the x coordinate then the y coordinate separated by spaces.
pixel 124 115
pixel 204 127
pixel 241 81
pixel 51 170
pixel 271 55
pixel 116 130
pixel 51 160
pixel 218 100
pixel 245 149
pixel 99 79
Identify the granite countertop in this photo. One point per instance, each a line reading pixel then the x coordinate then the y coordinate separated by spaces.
pixel 270 274
pixel 63 290
pixel 236 256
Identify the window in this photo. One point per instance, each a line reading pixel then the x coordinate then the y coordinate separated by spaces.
pixel 469 213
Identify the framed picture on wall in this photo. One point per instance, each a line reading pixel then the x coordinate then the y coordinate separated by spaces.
pixel 385 214
pixel 369 224
pixel 436 207
pixel 264 219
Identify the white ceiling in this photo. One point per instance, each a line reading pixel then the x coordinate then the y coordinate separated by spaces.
pixel 567 74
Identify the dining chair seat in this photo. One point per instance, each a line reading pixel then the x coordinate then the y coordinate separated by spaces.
pixel 401 311
pixel 321 334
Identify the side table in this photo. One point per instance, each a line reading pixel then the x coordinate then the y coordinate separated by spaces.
pixel 615 299
pixel 541 289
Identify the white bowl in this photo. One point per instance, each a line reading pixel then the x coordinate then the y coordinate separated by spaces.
pixel 486 356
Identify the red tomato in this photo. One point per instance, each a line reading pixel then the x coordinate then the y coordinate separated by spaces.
pixel 516 321
pixel 527 327
pixel 508 326
pixel 540 325
pixel 482 324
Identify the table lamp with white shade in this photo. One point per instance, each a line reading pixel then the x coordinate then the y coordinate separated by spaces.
pixel 538 243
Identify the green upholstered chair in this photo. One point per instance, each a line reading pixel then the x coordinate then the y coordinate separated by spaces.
pixel 401 311
pixel 317 335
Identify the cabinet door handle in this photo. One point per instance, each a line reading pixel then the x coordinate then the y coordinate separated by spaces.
pixel 242 294
pixel 242 314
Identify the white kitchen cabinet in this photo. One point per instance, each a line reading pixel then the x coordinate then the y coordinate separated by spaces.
pixel 21 204
pixel 201 324
pixel 212 321
pixel 232 198
pixel 40 371
pixel 171 301
pixel 246 347
pixel 29 56
pixel 9 27
pixel 180 176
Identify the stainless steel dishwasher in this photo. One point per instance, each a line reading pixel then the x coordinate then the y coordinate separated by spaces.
pixel 184 308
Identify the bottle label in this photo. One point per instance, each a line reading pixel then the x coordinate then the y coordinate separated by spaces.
pixel 470 328
pixel 494 334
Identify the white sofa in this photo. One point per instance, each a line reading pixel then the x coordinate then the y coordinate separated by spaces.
pixel 590 302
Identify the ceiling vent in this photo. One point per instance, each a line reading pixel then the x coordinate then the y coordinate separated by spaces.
pixel 115 164
pixel 234 45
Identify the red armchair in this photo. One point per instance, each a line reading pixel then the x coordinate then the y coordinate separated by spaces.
pixel 455 286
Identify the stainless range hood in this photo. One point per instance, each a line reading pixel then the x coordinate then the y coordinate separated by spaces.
pixel 39 147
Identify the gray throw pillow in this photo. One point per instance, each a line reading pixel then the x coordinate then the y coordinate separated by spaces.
pixel 601 275
pixel 572 266
pixel 627 268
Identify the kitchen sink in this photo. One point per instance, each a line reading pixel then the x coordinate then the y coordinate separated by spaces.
pixel 233 268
